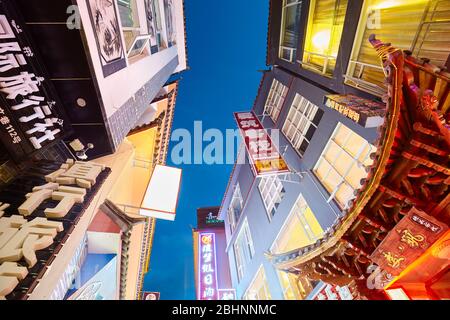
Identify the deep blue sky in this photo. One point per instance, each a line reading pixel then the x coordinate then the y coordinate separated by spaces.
pixel 226 43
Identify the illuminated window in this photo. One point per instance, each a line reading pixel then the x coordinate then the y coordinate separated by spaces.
pixel 235 209
pixel 323 35
pixel 259 288
pixel 301 123
pixel 300 229
pixel 294 287
pixel 343 164
pixel 243 249
pixel 272 193
pixel 421 26
pixel 275 100
pixel 290 24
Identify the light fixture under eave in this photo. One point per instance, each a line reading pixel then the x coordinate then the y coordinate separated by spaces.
pixel 161 197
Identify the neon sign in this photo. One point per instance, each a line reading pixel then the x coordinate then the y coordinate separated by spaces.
pixel 207 267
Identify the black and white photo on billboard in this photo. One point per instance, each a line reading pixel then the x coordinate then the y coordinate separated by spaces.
pixel 108 35
pixel 153 23
pixel 169 10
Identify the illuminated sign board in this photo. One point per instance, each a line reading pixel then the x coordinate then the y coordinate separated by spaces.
pixel 207 267
pixel 262 152
pixel 407 241
pixel 209 218
pixel 227 294
pixel 31 115
pixel 331 292
pixel 161 198
pixel 146 295
pixel 365 112
pixel 43 212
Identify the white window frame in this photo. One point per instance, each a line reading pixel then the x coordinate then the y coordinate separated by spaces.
pixel 297 212
pixel 272 193
pixel 355 160
pixel 300 128
pixel 243 238
pixel 264 284
pixel 233 219
pixel 136 39
pixel 292 51
pixel 275 99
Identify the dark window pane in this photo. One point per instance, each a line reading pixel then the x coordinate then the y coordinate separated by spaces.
pixel 318 117
pixel 291 26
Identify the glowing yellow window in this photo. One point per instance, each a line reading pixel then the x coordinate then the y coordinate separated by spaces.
pixel 421 26
pixel 323 36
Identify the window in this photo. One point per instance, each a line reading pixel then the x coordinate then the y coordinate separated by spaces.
pixel 272 193
pixel 235 209
pixel 259 288
pixel 323 35
pixel 342 164
pixel 129 16
pixel 421 26
pixel 243 249
pixel 301 123
pixel 290 23
pixel 295 287
pixel 275 100
pixel 300 229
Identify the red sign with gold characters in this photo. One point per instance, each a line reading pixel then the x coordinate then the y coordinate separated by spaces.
pixel 262 152
pixel 409 239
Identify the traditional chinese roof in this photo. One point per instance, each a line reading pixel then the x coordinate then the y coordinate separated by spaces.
pixel 410 169
pixel 269 43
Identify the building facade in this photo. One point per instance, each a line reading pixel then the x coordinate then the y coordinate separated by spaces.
pixel 323 95
pixel 113 84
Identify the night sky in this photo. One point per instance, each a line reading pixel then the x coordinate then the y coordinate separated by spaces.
pixel 226 44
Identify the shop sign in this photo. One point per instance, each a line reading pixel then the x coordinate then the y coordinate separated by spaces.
pixel 207 267
pixel 227 294
pixel 34 225
pixel 365 112
pixel 209 218
pixel 330 292
pixel 146 295
pixel 31 115
pixel 407 241
pixel 262 152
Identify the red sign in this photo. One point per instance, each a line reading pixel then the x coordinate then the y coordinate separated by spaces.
pixel 262 152
pixel 330 292
pixel 409 239
pixel 146 295
pixel 207 267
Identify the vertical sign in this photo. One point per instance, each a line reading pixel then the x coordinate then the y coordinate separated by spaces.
pixel 207 267
pixel 146 295
pixel 262 152
pixel 31 116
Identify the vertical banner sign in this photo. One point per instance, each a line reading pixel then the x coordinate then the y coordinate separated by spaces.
pixel 409 239
pixel 262 152
pixel 207 267
pixel 30 113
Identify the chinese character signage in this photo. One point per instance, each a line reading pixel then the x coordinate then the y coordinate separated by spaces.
pixel 207 267
pixel 366 113
pixel 262 152
pixel 146 295
pixel 41 213
pixel 227 294
pixel 409 239
pixel 209 218
pixel 331 292
pixel 31 116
